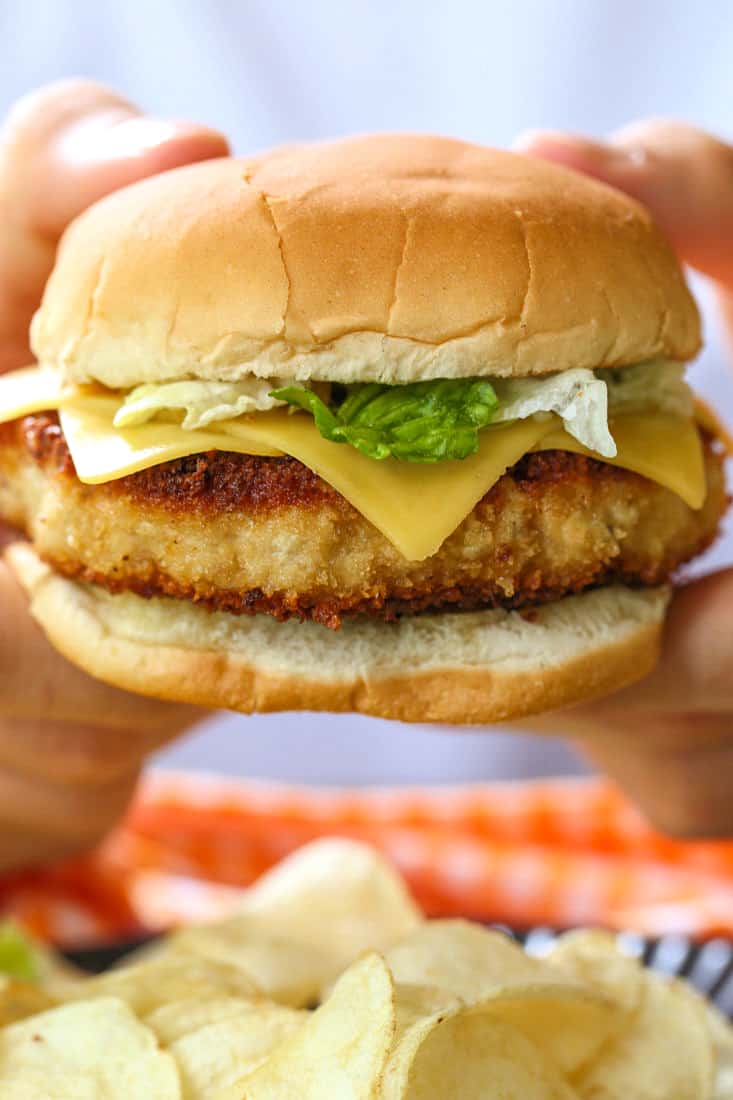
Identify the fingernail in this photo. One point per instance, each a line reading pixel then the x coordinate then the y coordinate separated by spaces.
pixel 134 136
pixel 558 139
pixel 628 154
pixel 577 151
pixel 111 137
pixel 528 138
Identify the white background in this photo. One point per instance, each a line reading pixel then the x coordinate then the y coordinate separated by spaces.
pixel 279 70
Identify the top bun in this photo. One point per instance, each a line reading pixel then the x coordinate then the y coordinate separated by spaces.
pixel 383 258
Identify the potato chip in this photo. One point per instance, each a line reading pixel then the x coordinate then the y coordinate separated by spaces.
pixel 340 1051
pixel 464 957
pixel 223 1052
pixel 721 1033
pixel 415 1001
pixel 453 1012
pixel 304 922
pixel 567 1020
pixel 594 958
pixel 147 985
pixel 466 1054
pixel 85 1051
pixel 21 999
pixel 665 1050
pixel 217 1042
pixel 335 895
pixel 665 1053
pixel 175 1019
pixel 723 1086
pixel 568 1025
pixel 667 1046
pixel 286 971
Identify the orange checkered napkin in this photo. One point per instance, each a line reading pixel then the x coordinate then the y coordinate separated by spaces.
pixel 559 853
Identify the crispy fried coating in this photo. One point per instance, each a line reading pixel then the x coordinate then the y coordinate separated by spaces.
pixel 247 534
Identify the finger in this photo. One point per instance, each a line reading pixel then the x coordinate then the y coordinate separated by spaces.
pixel 676 768
pixel 668 740
pixel 695 674
pixel 682 781
pixel 61 149
pixel 682 174
pixel 80 754
pixel 60 818
pixel 24 847
pixel 36 680
pixel 69 144
pixel 693 677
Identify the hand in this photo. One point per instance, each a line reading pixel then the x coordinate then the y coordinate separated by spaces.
pixel 70 747
pixel 668 741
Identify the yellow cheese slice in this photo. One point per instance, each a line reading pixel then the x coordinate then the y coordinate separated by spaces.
pixel 666 449
pixel 27 391
pixel 102 452
pixel 415 506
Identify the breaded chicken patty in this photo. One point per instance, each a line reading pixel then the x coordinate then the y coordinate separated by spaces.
pixel 247 534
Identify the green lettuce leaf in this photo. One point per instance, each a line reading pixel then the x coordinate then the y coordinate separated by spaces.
pixel 17 956
pixel 420 422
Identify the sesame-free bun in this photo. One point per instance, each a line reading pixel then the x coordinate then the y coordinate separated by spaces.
pixel 478 667
pixel 389 257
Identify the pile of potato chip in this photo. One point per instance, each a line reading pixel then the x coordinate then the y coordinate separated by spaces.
pixel 328 984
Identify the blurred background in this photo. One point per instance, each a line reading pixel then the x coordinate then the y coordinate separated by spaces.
pixel 271 71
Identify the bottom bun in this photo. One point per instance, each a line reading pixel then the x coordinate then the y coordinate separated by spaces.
pixel 462 668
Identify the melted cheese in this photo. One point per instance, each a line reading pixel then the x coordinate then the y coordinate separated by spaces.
pixel 27 391
pixel 102 452
pixel 666 449
pixel 415 506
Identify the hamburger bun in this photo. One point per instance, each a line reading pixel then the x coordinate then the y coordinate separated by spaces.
pixel 472 668
pixel 386 258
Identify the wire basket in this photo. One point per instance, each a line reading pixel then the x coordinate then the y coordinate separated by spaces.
pixel 707 965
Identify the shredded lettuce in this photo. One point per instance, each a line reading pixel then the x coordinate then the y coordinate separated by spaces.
pixel 576 396
pixel 419 422
pixel 17 956
pixel 427 421
pixel 645 387
pixel 201 402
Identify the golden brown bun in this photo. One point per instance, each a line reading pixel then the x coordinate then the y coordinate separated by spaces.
pixel 483 667
pixel 388 257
